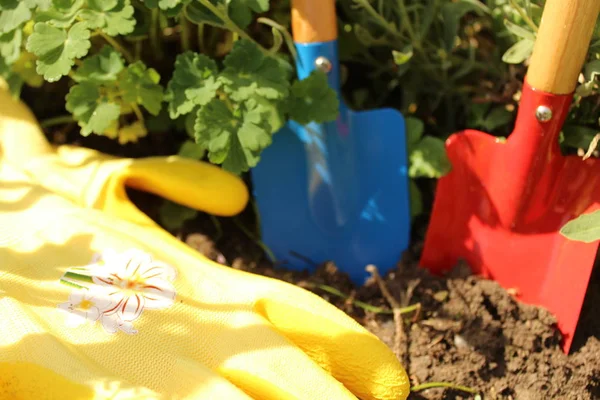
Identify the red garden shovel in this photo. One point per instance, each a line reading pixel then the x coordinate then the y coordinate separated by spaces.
pixel 502 206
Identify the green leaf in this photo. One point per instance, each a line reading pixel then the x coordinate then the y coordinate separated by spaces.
pixel 199 14
pixel 114 17
pixel 93 113
pixel 24 67
pixel 519 31
pixel 104 66
pixel 235 141
pixel 414 131
pixel 62 14
pixel 13 15
pixel 140 85
pixel 10 45
pixel 518 52
pixel 591 70
pixel 214 127
pixel 14 81
pixel 428 159
pixel 248 72
pixel 416 199
pixel 56 49
pixel 499 116
pixel 240 11
pixel 193 83
pixel 173 215
pixel 169 4
pixel 585 228
pixel 404 56
pixel 273 111
pixel 577 136
pixel 8 4
pixel 160 123
pixel 190 149
pixel 313 100
pixel 40 4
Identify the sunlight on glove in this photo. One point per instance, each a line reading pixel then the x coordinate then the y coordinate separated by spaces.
pixel 98 302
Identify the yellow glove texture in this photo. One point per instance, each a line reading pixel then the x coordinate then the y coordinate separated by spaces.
pixel 98 302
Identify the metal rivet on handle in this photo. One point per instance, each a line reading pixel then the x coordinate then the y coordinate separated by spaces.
pixel 543 113
pixel 323 64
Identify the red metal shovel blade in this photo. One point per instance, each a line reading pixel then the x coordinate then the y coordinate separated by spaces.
pixel 501 208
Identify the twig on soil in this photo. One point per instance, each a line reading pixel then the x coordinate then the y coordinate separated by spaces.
pixel 449 385
pixel 358 303
pixel 400 338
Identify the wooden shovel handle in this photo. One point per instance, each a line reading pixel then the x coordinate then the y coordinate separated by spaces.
pixel 562 44
pixel 314 21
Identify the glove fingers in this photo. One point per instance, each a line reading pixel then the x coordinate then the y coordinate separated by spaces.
pixel 267 366
pixel 195 184
pixel 354 356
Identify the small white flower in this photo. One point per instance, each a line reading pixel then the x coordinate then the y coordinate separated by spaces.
pixel 135 281
pixel 85 305
pixel 122 286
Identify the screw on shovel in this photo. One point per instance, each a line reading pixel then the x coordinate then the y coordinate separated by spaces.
pixel 336 191
pixel 503 204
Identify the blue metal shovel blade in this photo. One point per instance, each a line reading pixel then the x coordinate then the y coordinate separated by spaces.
pixel 336 191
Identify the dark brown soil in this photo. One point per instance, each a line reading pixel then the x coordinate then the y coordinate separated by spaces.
pixel 468 331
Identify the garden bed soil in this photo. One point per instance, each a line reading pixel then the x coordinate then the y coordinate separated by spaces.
pixel 469 331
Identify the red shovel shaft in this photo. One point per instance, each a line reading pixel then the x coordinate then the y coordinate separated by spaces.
pixel 560 49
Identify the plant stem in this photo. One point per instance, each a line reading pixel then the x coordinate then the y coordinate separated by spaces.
pixel 78 277
pixel 524 15
pixel 115 43
pixel 362 304
pixel 405 21
pixel 229 24
pixel 430 385
pixel 263 246
pixel 137 112
pixel 378 18
pixel 185 33
pixel 154 34
pixel 60 120
pixel 200 34
pixel 289 41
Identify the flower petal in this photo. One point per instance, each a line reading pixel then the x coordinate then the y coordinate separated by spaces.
pixel 102 298
pixel 75 318
pixel 76 297
pixel 110 322
pixel 68 306
pixel 131 308
pixel 92 314
pixel 158 297
pixel 127 327
pixel 158 269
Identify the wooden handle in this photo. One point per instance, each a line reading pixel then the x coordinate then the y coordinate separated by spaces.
pixel 562 44
pixel 314 21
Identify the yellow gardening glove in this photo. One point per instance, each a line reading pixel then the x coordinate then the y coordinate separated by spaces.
pixel 98 302
pixel 96 180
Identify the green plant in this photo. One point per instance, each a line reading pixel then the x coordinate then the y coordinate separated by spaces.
pixel 453 64
pixel 230 99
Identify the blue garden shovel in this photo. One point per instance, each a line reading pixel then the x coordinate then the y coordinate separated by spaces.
pixel 336 191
